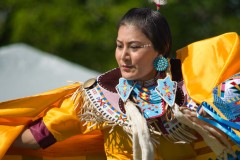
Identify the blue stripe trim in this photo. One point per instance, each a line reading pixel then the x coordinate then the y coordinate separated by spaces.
pixel 222 124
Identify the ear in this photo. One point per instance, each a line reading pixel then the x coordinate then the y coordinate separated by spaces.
pixel 159 54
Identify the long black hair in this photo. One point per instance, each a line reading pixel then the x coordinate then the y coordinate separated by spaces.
pixel 153 25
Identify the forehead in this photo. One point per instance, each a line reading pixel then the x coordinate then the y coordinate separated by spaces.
pixel 128 33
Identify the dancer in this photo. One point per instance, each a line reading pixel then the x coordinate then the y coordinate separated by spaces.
pixel 147 108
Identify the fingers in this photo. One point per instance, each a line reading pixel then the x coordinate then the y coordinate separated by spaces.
pixel 186 111
pixel 222 137
pixel 192 115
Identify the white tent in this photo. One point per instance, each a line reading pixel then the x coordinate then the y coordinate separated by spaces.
pixel 25 71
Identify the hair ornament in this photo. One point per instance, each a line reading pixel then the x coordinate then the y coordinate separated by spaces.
pixel 159 3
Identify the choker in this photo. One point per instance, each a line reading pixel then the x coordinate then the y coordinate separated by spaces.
pixel 150 82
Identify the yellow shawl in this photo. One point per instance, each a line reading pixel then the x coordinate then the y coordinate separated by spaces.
pixel 57 104
pixel 207 63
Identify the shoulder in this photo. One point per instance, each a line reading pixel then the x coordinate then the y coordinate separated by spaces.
pixel 107 80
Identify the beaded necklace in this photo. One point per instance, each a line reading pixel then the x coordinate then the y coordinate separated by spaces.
pixel 146 89
pixel 150 96
pixel 147 98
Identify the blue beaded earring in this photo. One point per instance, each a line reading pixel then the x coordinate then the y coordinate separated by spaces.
pixel 160 63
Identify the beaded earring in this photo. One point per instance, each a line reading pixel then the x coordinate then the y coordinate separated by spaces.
pixel 160 63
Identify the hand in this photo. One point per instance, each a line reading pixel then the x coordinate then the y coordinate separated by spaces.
pixel 26 140
pixel 213 137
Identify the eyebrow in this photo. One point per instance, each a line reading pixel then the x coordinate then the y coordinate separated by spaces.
pixel 130 42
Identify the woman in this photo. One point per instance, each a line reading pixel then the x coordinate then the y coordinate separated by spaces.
pixel 140 107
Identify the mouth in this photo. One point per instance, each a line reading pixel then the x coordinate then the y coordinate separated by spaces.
pixel 126 67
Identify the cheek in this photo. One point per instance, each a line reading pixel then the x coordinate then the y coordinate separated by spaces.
pixel 117 56
pixel 145 62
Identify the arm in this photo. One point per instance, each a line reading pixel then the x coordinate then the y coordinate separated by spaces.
pixel 57 124
pixel 213 137
pixel 35 136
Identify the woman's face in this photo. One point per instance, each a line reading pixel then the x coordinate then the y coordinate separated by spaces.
pixel 135 54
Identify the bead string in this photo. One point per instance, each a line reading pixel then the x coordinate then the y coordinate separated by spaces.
pixel 146 90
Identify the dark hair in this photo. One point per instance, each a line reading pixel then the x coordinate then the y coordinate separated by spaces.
pixel 153 25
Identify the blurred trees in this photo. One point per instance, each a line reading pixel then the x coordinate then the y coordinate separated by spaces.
pixel 196 20
pixel 84 31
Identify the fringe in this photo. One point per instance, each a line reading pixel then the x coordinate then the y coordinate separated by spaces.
pixel 179 134
pixel 141 137
pixel 143 134
pixel 86 112
pixel 187 132
pixel 217 147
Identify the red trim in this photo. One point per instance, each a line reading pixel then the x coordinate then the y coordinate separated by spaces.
pixel 41 134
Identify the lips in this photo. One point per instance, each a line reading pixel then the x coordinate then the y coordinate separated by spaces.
pixel 126 67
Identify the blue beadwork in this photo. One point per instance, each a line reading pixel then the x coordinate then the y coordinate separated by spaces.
pixel 154 98
pixel 160 63
pixel 151 108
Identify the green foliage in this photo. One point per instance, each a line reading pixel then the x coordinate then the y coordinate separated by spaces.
pixel 196 20
pixel 84 31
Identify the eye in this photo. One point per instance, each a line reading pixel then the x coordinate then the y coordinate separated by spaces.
pixel 119 46
pixel 135 47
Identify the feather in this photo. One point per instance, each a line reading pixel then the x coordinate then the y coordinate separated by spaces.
pixel 159 2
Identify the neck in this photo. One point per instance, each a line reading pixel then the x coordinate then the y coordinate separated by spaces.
pixel 152 81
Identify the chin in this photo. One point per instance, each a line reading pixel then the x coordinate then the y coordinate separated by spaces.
pixel 128 77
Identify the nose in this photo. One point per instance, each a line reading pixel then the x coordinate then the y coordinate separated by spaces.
pixel 125 54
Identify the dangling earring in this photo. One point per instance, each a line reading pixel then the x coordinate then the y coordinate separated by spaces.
pixel 160 63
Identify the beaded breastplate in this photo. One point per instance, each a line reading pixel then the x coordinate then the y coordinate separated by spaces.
pixel 105 98
pixel 153 98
